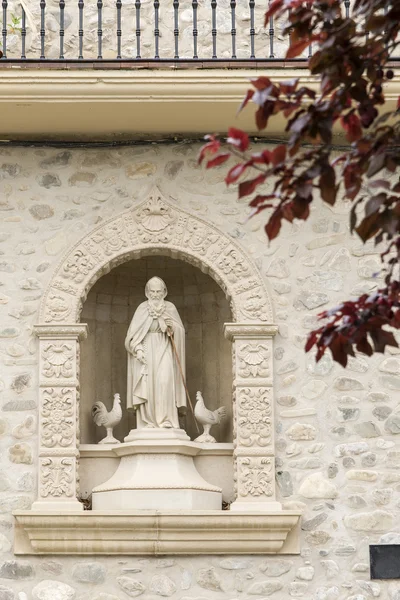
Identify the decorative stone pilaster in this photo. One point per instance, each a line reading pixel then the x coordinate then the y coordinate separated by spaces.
pixel 253 416
pixel 58 417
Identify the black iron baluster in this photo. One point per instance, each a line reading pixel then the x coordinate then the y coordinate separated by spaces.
pixel 119 31
pixel 252 30
pixel 271 36
pixel 156 29
pixel 42 28
pixel 4 31
pixel 233 30
pixel 80 31
pixel 195 32
pixel 62 7
pixel 176 27
pixel 23 34
pixel 214 26
pixel 137 5
pixel 99 29
pixel 310 50
pixel 347 8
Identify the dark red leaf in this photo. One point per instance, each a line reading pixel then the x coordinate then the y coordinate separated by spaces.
pixel 211 147
pixel 327 185
pixel 238 138
pixel 218 160
pixel 235 172
pixel 278 155
pixel 364 346
pixel 246 99
pixel 272 9
pixel 352 126
pixel 247 187
pixel 298 47
pixel 273 226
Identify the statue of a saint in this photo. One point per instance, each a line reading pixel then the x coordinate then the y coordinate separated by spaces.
pixel 155 386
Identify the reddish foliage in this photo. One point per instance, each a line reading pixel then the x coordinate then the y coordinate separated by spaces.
pixel 350 62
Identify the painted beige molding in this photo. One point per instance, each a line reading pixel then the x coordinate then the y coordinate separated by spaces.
pixel 96 103
pixel 157 533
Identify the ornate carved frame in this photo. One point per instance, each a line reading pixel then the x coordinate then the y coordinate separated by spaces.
pixel 156 227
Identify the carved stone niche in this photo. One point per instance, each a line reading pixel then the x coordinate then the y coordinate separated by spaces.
pixel 255 522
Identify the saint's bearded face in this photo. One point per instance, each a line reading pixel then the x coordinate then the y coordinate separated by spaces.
pixel 155 291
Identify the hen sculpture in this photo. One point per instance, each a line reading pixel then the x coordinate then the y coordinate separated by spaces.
pixel 109 420
pixel 207 418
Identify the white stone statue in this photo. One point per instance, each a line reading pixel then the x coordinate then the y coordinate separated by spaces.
pixel 207 418
pixel 155 362
pixel 109 420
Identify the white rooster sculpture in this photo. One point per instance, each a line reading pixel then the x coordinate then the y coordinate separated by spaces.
pixel 207 418
pixel 109 420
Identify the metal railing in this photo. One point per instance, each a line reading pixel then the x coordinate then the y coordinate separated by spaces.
pixel 142 31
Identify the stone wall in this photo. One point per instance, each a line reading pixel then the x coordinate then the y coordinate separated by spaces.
pixel 337 431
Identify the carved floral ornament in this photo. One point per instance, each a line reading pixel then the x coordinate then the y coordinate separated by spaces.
pixel 156 225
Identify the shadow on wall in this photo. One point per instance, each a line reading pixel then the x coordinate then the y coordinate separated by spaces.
pixel 108 311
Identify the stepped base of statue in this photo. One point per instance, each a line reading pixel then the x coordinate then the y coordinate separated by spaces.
pixel 157 472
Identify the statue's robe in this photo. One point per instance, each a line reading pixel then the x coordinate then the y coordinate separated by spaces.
pixel 155 388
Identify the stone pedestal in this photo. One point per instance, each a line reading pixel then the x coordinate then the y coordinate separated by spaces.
pixel 157 472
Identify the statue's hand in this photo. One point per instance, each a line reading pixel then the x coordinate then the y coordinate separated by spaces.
pixel 140 356
pixel 169 323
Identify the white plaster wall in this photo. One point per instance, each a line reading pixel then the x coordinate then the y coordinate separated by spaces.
pixel 340 427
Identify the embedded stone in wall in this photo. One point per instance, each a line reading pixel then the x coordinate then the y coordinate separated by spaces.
pixel 49 180
pixel 6 593
pixel 20 454
pixel 21 382
pixel 347 384
pixel 316 486
pixel 25 429
pixel 140 170
pixel 314 389
pixel 41 211
pixel 377 520
pixel 361 475
pixel 62 159
pixel 82 179
pixel 16 569
pixel 162 586
pixel 368 429
pixel 20 404
pixel 276 568
pixel 310 300
pixel 392 425
pixel 301 431
pixel 233 564
pixel 209 579
pixel 131 587
pixel 311 524
pixel 265 588
pixel 53 590
pixel 89 573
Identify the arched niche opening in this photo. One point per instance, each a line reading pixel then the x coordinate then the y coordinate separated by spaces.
pixel 108 310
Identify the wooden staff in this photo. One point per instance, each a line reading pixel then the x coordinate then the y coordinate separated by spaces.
pixel 171 337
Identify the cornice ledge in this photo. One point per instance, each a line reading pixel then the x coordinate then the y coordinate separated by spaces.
pixel 234 331
pixel 64 331
pixel 157 533
pixel 96 85
pixel 214 85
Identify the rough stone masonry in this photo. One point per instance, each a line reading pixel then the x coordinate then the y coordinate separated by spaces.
pixel 337 430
